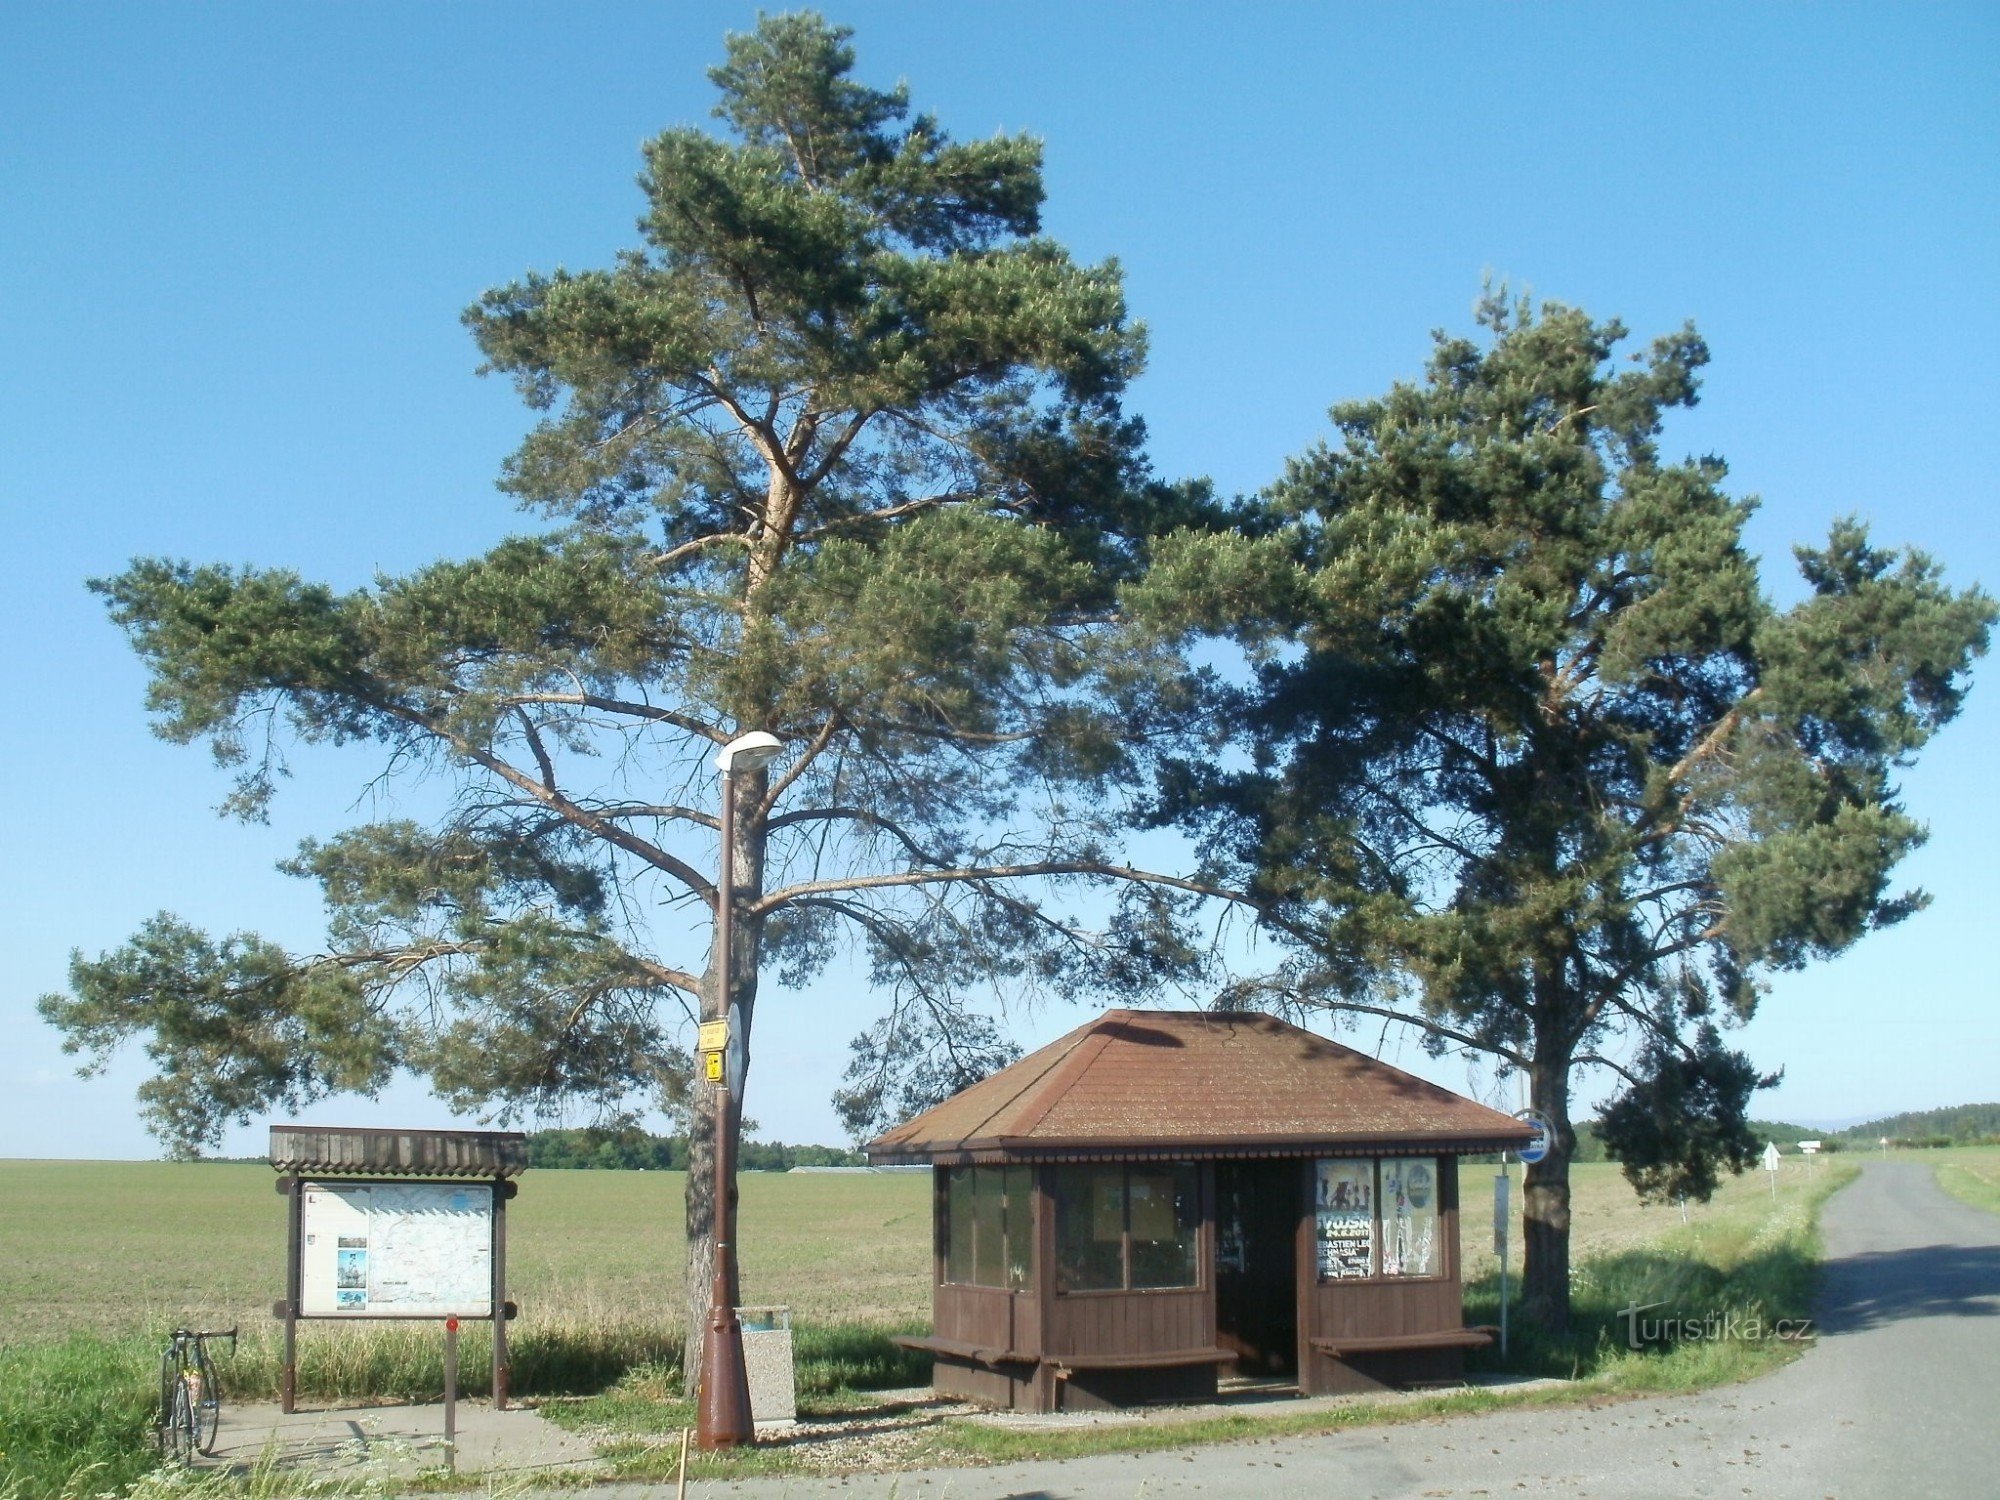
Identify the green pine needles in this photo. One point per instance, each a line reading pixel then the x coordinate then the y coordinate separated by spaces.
pixel 1532 763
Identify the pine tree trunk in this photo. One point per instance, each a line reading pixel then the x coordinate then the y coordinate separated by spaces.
pixel 700 1236
pixel 745 946
pixel 1545 1204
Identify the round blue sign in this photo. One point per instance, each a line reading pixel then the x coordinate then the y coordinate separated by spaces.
pixel 1545 1134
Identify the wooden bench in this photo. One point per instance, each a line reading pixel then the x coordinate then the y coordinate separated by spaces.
pixel 1444 1338
pixel 958 1349
pixel 980 1354
pixel 1153 1360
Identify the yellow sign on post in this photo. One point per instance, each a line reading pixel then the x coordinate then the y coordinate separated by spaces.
pixel 712 1066
pixel 714 1036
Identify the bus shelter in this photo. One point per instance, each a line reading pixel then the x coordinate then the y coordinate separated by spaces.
pixel 1161 1200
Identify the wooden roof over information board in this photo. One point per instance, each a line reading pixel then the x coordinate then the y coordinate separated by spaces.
pixel 1195 1083
pixel 340 1151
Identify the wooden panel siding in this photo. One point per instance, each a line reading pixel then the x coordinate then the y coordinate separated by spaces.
pixel 1132 1322
pixel 978 1315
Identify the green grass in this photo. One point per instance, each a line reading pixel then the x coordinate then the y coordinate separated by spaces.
pixel 1971 1173
pixel 77 1412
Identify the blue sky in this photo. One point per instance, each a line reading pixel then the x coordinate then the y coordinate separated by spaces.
pixel 234 242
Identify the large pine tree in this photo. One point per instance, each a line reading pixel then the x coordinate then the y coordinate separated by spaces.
pixel 836 453
pixel 1532 762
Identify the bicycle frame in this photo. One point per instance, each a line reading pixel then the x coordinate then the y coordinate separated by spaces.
pixel 190 1395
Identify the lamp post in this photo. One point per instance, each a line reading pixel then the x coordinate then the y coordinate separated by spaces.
pixel 724 1418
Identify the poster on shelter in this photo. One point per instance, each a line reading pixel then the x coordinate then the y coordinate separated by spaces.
pixel 1409 1217
pixel 396 1250
pixel 1344 1218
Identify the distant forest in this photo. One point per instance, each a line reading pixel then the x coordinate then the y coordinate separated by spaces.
pixel 1962 1125
pixel 1590 1148
pixel 632 1149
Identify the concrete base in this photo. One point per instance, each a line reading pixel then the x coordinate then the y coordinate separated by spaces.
pixel 393 1441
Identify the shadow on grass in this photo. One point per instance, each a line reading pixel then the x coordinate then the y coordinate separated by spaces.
pixel 1674 1291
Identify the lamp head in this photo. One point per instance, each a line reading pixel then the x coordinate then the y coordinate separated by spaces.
pixel 748 752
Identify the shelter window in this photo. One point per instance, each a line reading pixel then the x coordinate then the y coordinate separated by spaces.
pixel 1121 1228
pixel 989 1239
pixel 1377 1218
pixel 1410 1217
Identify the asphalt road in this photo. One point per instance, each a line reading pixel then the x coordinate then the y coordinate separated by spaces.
pixel 1900 1398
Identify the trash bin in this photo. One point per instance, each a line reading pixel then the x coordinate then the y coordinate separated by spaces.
pixel 767 1359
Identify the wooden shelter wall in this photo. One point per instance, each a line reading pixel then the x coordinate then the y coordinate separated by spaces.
pixel 1040 1324
pixel 1132 1322
pixel 1381 1307
pixel 987 1317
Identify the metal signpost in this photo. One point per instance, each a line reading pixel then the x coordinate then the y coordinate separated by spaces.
pixel 397 1225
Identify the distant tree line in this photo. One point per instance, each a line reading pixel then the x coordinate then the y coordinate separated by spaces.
pixel 1961 1125
pixel 631 1149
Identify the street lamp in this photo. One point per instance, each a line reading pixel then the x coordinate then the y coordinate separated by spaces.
pixel 724 1418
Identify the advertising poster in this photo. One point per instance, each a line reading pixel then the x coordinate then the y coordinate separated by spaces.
pixel 1344 1218
pixel 350 1272
pixel 1409 1217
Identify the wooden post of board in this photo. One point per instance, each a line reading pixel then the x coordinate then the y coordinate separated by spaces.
pixel 502 1191
pixel 451 1394
pixel 288 1386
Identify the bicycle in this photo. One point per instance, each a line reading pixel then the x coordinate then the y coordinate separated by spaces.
pixel 190 1395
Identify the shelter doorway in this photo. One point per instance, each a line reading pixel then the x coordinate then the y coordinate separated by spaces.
pixel 1257 1207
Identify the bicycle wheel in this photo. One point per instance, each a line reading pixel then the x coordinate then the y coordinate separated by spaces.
pixel 178 1439
pixel 208 1410
pixel 170 1379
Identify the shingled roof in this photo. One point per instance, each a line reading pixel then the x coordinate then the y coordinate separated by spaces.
pixel 1194 1083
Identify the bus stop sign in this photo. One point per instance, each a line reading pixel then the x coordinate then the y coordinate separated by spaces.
pixel 1545 1134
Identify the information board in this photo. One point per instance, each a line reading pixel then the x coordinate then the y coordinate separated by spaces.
pixel 396 1250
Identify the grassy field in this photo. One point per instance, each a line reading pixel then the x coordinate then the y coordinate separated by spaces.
pixel 1971 1173
pixel 129 1247
pixel 97 1260
pixel 121 1247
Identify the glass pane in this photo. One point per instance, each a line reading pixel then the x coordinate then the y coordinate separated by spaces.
pixel 988 1188
pixel 1020 1226
pixel 1166 1223
pixel 1344 1218
pixel 1410 1217
pixel 958 1261
pixel 1090 1228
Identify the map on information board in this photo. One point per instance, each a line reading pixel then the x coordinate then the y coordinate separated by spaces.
pixel 396 1250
